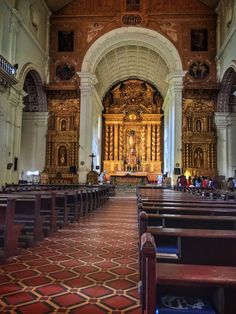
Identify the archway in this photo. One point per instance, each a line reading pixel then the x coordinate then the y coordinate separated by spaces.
pixel 225 119
pixel 34 123
pixel 130 52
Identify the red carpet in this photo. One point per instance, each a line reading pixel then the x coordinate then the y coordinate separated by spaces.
pixel 90 267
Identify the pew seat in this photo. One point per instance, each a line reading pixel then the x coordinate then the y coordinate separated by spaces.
pixel 162 282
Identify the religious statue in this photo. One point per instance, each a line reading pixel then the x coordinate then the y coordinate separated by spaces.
pixel 62 156
pixel 198 158
pixel 63 125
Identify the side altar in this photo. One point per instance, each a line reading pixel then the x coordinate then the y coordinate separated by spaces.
pixel 123 178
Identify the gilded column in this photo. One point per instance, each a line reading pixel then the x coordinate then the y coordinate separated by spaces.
pixel 121 142
pixel 116 139
pixel 107 142
pixel 111 157
pixel 153 147
pixel 143 143
pixel 158 143
pixel 148 142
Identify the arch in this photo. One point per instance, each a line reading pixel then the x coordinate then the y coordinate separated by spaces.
pixel 228 80
pixel 149 40
pixel 138 36
pixel 157 51
pixel 35 101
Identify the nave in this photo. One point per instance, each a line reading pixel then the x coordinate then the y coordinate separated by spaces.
pixel 90 267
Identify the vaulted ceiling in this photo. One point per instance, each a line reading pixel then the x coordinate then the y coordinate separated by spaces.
pixel 55 5
pixel 131 61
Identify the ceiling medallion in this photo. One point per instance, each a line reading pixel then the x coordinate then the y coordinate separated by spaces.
pixel 132 19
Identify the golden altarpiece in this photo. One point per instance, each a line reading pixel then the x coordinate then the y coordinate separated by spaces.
pixel 199 133
pixel 133 130
pixel 62 138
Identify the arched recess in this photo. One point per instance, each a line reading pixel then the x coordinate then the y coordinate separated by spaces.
pixel 225 119
pixel 123 53
pixel 34 123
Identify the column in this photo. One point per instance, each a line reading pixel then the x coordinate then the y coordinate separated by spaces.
pixel 175 81
pixel 158 143
pixel 148 142
pixel 121 142
pixel 87 93
pixel 116 140
pixel 106 141
pixel 222 124
pixel 153 148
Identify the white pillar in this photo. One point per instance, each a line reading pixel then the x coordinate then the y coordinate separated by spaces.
pixel 173 107
pixel 11 120
pixel 222 126
pixel 88 80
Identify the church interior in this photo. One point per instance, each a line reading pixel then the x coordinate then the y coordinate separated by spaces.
pixel 99 98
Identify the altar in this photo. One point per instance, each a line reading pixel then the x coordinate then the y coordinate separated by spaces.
pixel 129 178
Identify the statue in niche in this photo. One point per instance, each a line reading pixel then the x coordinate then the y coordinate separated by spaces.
pixel 198 125
pixel 198 158
pixel 62 156
pixel 199 39
pixel 63 125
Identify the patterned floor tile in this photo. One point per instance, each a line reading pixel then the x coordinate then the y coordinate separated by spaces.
pixel 68 300
pixel 90 267
pixel 18 298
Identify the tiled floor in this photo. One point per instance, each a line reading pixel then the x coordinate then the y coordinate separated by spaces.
pixel 90 267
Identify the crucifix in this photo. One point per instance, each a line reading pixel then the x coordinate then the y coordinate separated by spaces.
pixel 92 156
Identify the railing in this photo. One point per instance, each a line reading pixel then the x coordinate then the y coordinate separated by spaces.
pixel 7 67
pixel 7 75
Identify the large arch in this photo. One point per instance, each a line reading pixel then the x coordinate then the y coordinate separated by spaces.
pixel 149 47
pixel 34 123
pixel 225 119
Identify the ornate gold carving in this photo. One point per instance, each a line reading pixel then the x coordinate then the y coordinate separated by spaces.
pixel 199 135
pixel 132 109
pixel 62 137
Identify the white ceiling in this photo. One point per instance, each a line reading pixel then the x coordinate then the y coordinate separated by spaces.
pixel 131 61
pixel 55 5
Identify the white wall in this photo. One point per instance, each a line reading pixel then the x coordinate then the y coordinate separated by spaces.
pixel 33 142
pixel 226 35
pixel 226 57
pixel 20 42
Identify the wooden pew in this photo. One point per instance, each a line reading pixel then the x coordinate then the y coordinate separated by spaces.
pixel 194 209
pixel 27 212
pixel 186 221
pixel 9 230
pixel 200 246
pixel 215 283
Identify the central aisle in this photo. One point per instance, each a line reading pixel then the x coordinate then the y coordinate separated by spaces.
pixel 90 267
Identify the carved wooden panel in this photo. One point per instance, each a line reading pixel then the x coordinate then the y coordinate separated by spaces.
pixel 62 136
pixel 199 133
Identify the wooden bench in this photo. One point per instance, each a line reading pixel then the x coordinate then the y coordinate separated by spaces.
pixel 186 221
pixel 27 212
pixel 162 281
pixel 9 230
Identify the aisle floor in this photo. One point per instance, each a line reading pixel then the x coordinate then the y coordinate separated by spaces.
pixel 90 267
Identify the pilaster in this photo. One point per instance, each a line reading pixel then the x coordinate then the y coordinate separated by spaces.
pixel 87 90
